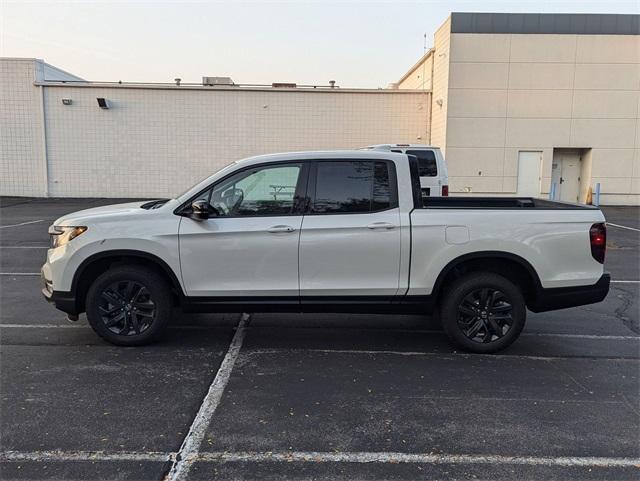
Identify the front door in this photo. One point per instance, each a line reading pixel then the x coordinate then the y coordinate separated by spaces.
pixel 350 239
pixel 250 248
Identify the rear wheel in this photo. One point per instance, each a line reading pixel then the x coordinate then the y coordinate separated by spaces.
pixel 129 305
pixel 483 312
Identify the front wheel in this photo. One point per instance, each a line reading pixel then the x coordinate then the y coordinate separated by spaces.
pixel 483 312
pixel 129 305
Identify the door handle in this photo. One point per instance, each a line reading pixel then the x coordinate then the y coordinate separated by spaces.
pixel 280 228
pixel 380 225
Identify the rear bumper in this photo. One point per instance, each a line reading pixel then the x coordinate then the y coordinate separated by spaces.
pixel 563 297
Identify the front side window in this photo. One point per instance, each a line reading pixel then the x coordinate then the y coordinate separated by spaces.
pixel 344 187
pixel 427 166
pixel 263 191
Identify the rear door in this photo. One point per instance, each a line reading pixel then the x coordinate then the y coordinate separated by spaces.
pixel 350 237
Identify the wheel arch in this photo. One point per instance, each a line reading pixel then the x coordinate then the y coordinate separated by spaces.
pixel 511 266
pixel 94 265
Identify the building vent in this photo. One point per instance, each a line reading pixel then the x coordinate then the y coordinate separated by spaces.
pixel 217 81
pixel 284 85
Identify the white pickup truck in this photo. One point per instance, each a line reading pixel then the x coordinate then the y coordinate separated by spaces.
pixel 339 231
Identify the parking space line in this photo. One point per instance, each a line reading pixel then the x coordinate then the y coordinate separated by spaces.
pixel 623 227
pixel 387 457
pixel 21 224
pixel 19 273
pixel 415 331
pixel 625 282
pixel 191 445
pixel 382 457
pixel 24 247
pixel 441 354
pixel 84 456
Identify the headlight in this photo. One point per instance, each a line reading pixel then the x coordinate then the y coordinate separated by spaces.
pixel 61 235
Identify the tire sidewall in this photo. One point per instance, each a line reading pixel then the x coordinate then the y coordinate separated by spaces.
pixel 160 294
pixel 461 288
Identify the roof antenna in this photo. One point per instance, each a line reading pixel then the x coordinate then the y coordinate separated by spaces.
pixel 424 48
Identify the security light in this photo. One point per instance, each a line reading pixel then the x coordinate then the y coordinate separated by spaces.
pixel 103 103
pixel 67 101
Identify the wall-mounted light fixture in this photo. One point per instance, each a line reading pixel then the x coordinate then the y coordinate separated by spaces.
pixel 439 102
pixel 103 103
pixel 67 101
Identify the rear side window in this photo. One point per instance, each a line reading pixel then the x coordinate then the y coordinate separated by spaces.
pixel 427 166
pixel 344 187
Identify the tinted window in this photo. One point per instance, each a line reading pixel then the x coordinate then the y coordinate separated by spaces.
pixel 352 186
pixel 427 166
pixel 257 192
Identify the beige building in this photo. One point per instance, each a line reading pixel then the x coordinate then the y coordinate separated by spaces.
pixel 521 104
pixel 524 101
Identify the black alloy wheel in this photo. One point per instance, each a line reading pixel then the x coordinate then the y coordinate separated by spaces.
pixel 129 305
pixel 483 312
pixel 126 308
pixel 485 315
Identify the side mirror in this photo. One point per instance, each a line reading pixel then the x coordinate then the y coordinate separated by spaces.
pixel 202 210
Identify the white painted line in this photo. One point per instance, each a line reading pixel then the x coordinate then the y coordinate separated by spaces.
pixel 441 354
pixel 625 282
pixel 417 331
pixel 19 273
pixel 386 457
pixel 326 457
pixel 84 456
pixel 21 223
pixel 24 247
pixel 191 444
pixel 623 227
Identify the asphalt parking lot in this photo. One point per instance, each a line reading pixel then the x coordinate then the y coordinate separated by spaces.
pixel 271 396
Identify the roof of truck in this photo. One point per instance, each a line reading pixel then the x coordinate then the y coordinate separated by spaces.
pixel 317 154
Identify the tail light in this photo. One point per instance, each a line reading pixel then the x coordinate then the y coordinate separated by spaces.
pixel 598 239
pixel 445 191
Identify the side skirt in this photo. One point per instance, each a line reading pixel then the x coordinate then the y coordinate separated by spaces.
pixel 334 304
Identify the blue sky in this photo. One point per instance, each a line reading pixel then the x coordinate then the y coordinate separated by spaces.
pixel 359 44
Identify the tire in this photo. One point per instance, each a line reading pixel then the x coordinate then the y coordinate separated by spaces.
pixel 483 312
pixel 129 305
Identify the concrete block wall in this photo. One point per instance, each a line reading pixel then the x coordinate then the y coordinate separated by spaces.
pixel 21 130
pixel 158 142
pixel 514 92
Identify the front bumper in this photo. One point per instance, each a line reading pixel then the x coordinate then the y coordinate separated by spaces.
pixel 64 301
pixel 563 297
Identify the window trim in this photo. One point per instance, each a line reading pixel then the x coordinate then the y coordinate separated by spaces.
pixel 299 196
pixel 313 176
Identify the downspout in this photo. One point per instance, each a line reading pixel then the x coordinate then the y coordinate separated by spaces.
pixel 433 61
pixel 45 160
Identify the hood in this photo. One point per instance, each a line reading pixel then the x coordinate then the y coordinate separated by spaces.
pixel 77 218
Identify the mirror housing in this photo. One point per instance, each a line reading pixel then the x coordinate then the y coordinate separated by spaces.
pixel 202 210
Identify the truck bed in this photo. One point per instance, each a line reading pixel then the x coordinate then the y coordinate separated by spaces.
pixel 498 203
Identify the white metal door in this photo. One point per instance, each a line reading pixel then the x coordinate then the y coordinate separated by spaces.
pixel 529 173
pixel 570 177
pixel 251 248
